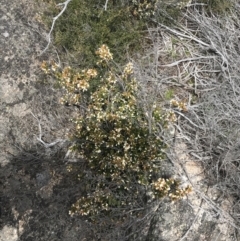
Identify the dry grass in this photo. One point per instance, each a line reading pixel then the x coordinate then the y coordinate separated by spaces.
pixel 197 61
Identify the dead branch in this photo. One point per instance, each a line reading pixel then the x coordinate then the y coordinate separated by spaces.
pixel 46 145
pixel 64 4
pixel 187 59
pixel 105 5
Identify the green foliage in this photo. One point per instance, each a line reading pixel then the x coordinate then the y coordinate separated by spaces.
pixel 85 24
pixel 218 6
pixel 169 94
pixel 168 12
pixel 143 9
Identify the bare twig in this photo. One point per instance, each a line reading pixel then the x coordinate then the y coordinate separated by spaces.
pixel 182 35
pixel 54 21
pixel 187 60
pixel 105 6
pixel 46 145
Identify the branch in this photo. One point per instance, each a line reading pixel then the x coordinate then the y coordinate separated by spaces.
pixel 54 21
pixel 177 33
pixel 187 59
pixel 105 6
pixel 181 114
pixel 46 145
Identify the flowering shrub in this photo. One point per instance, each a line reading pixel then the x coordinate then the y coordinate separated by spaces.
pixel 116 138
pixel 143 8
pixel 160 11
pixel 181 105
pixel 169 187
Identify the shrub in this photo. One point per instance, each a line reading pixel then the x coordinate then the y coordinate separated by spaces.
pixel 117 139
pixel 218 6
pixel 85 24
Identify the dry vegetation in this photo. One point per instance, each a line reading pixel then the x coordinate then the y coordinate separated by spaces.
pixel 189 68
pixel 197 61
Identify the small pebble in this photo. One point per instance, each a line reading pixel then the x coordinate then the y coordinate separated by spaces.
pixel 5 34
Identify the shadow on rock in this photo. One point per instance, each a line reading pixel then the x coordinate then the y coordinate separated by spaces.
pixel 36 195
